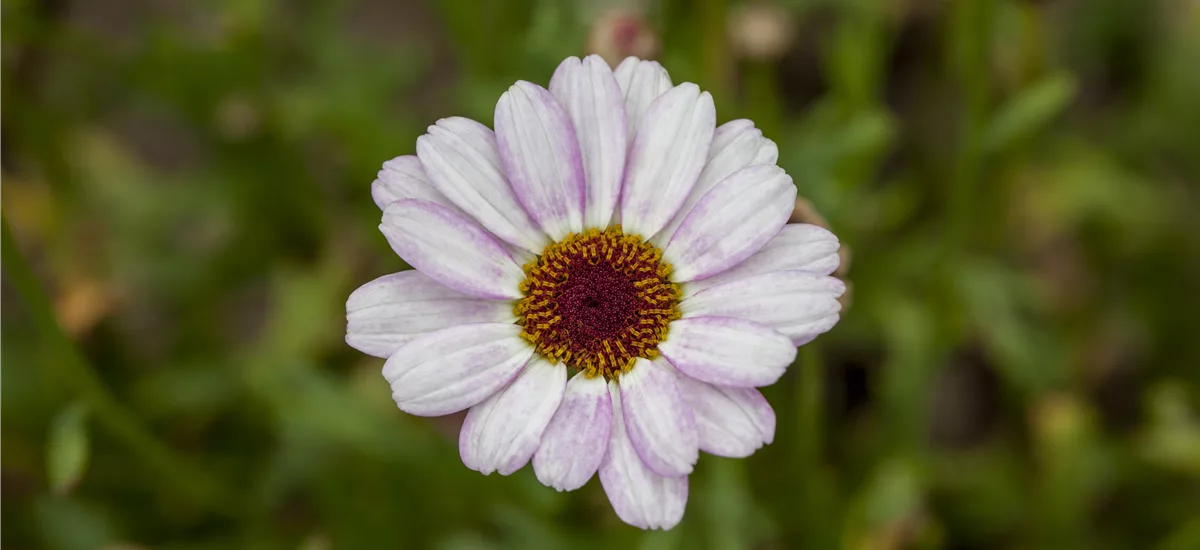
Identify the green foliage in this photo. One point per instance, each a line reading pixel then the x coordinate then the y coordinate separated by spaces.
pixel 67 449
pixel 186 209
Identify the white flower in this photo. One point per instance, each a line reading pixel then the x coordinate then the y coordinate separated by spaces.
pixel 608 229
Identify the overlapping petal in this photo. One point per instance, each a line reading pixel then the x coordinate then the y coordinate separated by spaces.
pixel 736 145
pixel 576 440
pixel 641 83
pixel 540 154
pixel 801 247
pixel 666 157
pixel 798 304
pixel 732 422
pixel 392 310
pixel 639 496
pixel 728 351
pixel 449 370
pixel 589 94
pixel 451 249
pixel 501 433
pixel 731 222
pixel 462 162
pixel 404 178
pixel 658 419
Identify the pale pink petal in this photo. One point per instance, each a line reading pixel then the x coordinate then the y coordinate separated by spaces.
pixel 404 178
pixel 449 370
pixel 575 441
pixel 728 351
pixel 462 161
pixel 639 496
pixel 390 311
pixel 731 422
pixel 800 247
pixel 666 158
pixel 641 82
pixel 736 145
pixel 501 433
pixel 658 420
pixel 733 221
pixel 589 93
pixel 451 249
pixel 795 303
pixel 540 154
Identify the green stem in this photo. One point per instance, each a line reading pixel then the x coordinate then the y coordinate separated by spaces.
pixel 809 404
pixel 818 518
pixel 68 366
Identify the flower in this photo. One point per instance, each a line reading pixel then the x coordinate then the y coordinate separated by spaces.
pixel 622 32
pixel 607 228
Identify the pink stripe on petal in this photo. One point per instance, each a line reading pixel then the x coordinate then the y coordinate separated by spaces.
pixel 658 420
pixel 540 154
pixel 575 441
pixel 590 95
pixel 501 433
pixel 449 370
pixel 392 310
pixel 639 496
pixel 451 250
pixel 731 222
pixel 727 351
pixel 665 158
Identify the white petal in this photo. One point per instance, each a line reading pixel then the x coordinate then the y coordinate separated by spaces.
pixel 731 422
pixel 463 163
pixel 451 369
pixel 795 303
pixel 450 249
pixel 404 178
pixel 659 422
pixel 589 93
pixel 501 433
pixel 727 351
pixel 731 222
pixel 540 154
pixel 736 145
pixel 641 83
pixel 639 496
pixel 666 158
pixel 390 311
pixel 801 247
pixel 575 441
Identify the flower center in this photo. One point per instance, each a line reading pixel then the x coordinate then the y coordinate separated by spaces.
pixel 597 301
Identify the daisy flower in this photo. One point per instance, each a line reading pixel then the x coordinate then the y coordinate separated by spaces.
pixel 603 281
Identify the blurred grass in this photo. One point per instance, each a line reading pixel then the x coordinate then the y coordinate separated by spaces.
pixel 186 185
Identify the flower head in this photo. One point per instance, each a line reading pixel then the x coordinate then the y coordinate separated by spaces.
pixel 602 281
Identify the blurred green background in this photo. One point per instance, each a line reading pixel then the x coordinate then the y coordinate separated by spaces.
pixel 186 206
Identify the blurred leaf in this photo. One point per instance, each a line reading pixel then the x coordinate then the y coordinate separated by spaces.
pixel 997 299
pixel 68 524
pixel 1030 111
pixel 68 448
pixel 1186 537
pixel 889 510
pixel 1172 440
